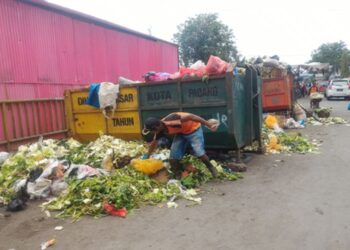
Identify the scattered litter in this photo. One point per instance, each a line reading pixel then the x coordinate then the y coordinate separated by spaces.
pixel 291 123
pixel 47 244
pixel 16 204
pixel 286 142
pixel 172 204
pixel 112 210
pixel 323 112
pixel 147 166
pixel 48 214
pixel 272 123
pixel 326 121
pixel 59 228
pixel 5 215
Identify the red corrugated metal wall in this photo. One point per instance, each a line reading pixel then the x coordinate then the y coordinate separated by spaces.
pixel 43 52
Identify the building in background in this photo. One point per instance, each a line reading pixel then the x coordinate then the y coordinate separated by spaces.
pixel 46 48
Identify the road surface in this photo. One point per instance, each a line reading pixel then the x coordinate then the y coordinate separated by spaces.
pixel 300 202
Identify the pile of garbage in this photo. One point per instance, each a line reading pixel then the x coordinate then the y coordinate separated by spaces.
pixel 323 112
pixel 96 179
pixel 326 121
pixel 287 142
pixel 277 140
pixel 270 67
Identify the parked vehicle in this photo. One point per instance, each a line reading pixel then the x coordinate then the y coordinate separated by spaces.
pixel 338 88
pixel 322 86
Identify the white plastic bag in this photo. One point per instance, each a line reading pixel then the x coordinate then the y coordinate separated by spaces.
pixel 40 188
pixel 107 96
pixel 3 157
pixel 58 186
pixel 198 65
pixel 125 81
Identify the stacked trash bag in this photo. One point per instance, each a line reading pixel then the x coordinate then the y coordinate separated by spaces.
pixel 214 66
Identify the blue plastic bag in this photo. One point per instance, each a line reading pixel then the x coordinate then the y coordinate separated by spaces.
pixel 349 106
pixel 93 95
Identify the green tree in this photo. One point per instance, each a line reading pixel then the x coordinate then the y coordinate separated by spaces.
pixel 329 53
pixel 202 36
pixel 344 64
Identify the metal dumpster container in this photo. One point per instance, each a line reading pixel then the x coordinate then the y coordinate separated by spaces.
pixel 86 122
pixel 234 100
pixel 277 93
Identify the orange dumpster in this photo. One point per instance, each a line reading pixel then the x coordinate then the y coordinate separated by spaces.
pixel 277 93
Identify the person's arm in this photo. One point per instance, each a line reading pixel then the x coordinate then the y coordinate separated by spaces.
pixel 195 118
pixel 152 146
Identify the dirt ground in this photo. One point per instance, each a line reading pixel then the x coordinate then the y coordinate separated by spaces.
pixel 296 202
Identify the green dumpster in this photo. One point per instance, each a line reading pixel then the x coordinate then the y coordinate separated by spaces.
pixel 233 100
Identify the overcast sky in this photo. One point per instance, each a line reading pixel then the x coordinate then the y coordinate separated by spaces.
pixel 290 29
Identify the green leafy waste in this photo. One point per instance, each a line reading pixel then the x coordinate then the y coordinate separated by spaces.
pixel 124 187
pixel 295 143
pixel 127 188
pixel 290 142
pixel 202 174
pixel 29 157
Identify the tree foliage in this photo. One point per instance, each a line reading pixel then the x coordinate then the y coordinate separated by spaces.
pixel 330 53
pixel 344 64
pixel 202 36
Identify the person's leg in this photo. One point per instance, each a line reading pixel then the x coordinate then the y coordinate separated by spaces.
pixel 177 152
pixel 211 168
pixel 196 141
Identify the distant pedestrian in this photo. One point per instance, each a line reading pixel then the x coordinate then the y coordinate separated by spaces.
pixel 313 88
pixel 303 89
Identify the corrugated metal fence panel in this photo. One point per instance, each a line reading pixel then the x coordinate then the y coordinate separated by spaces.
pixel 44 52
pixel 28 119
pixel 20 91
pixel 42 46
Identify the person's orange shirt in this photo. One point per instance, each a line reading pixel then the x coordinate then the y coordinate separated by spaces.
pixel 176 126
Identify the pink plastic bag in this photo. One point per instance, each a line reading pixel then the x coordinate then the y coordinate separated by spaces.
pixel 156 76
pixel 191 72
pixel 216 66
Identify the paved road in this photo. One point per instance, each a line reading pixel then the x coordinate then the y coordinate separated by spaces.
pixel 302 202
